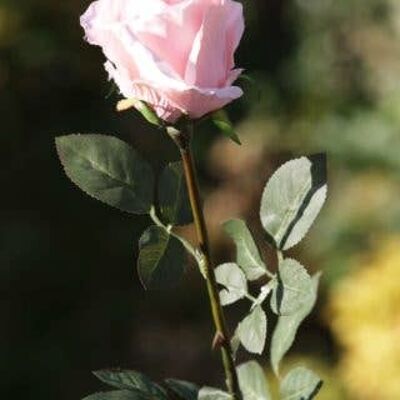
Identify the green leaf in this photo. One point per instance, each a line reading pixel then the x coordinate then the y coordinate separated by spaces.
pixel 118 395
pixel 128 379
pixel 209 393
pixel 247 254
pixel 222 121
pixel 148 113
pixel 300 384
pixel 252 331
pixel 161 259
pixel 253 382
pixel 235 344
pixel 233 279
pixel 173 196
pixel 184 390
pixel 288 325
pixel 109 170
pixel 292 199
pixel 293 288
pixel 247 78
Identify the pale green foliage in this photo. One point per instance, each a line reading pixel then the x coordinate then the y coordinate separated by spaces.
pixel 252 331
pixel 234 281
pixel 292 199
pixel 109 170
pixel 161 259
pixel 235 344
pixel 247 253
pixel 309 214
pixel 300 384
pixel 293 287
pixel 287 326
pixel 253 382
pixel 209 393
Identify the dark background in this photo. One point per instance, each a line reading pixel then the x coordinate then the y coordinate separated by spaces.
pixel 326 77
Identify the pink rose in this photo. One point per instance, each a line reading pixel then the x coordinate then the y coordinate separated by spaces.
pixel 176 55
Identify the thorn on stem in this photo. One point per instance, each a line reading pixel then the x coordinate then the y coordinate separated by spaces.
pixel 218 341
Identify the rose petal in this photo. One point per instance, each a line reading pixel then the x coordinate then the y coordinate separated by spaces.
pixel 150 61
pixel 198 102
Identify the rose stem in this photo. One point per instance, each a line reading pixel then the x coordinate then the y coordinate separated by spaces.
pixel 222 337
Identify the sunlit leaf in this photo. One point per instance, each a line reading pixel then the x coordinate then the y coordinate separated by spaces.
pixel 292 199
pixel 161 259
pixel 247 254
pixel 253 381
pixel 209 393
pixel 300 384
pixel 252 331
pixel 235 344
pixel 293 287
pixel 109 170
pixel 287 326
pixel 234 281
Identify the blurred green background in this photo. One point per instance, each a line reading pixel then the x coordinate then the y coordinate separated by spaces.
pixel 327 79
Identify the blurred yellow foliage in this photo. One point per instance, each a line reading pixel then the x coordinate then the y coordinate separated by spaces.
pixel 364 313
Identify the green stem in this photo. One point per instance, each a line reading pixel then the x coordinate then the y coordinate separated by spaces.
pixel 222 338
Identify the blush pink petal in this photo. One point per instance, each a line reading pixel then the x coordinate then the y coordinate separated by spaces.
pixel 99 23
pixel 206 64
pixel 212 55
pixel 176 55
pixel 198 102
pixel 170 31
pixel 170 104
pixel 235 30
pixel 164 108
